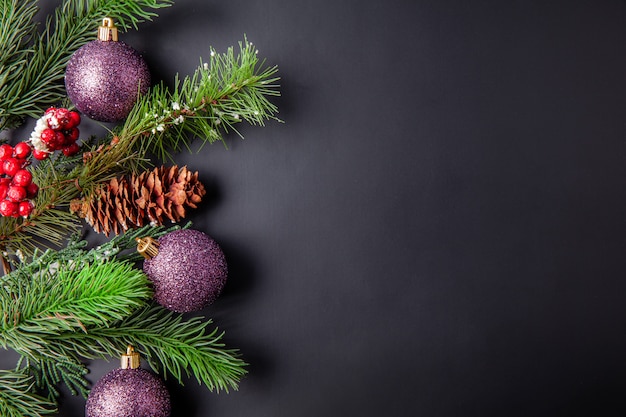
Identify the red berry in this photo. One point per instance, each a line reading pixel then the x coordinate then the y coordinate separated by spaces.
pixel 16 193
pixel 48 136
pixel 31 190
pixel 71 135
pixel 24 208
pixel 54 139
pixel 57 142
pixel 52 118
pixel 6 151
pixel 60 140
pixel 11 166
pixel 22 150
pixel 23 178
pixel 8 208
pixel 71 150
pixel 63 117
pixel 61 112
pixel 40 155
pixel 74 120
pixel 50 110
pixel 5 183
pixel 4 188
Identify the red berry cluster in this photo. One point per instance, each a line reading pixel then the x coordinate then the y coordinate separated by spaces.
pixel 57 130
pixel 17 188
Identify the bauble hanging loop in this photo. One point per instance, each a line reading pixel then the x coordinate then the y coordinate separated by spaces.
pixel 105 77
pixel 129 391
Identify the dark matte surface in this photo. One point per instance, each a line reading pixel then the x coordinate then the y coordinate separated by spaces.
pixel 438 228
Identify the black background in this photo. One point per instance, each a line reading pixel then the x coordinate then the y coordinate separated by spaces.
pixel 437 229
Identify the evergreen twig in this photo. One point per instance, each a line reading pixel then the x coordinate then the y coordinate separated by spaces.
pixel 168 343
pixel 17 398
pixel 50 373
pixel 31 79
pixel 230 88
pixel 68 296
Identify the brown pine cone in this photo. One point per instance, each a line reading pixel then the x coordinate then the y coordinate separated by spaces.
pixel 133 201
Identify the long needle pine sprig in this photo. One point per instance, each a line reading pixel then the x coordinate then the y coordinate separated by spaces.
pixel 32 63
pixel 231 88
pixel 17 398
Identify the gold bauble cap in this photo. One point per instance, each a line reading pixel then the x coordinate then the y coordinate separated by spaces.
pixel 131 359
pixel 107 31
pixel 147 246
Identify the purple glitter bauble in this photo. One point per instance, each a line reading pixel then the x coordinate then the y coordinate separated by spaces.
pixel 103 79
pixel 189 272
pixel 128 393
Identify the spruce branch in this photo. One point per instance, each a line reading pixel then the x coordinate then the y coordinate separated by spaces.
pixel 15 33
pixel 74 304
pixel 31 79
pixel 230 88
pixel 17 399
pixel 171 345
pixel 49 374
pixel 185 348
pixel 67 296
pixel 50 222
pixel 68 291
pixel 128 13
pixel 168 343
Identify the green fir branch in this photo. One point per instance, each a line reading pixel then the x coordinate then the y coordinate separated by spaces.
pixel 61 180
pixel 32 79
pixel 62 293
pixel 16 33
pixel 50 373
pixel 17 398
pixel 122 247
pixel 67 296
pixel 184 348
pixel 168 343
pixel 229 89
pixel 127 13
pixel 50 222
